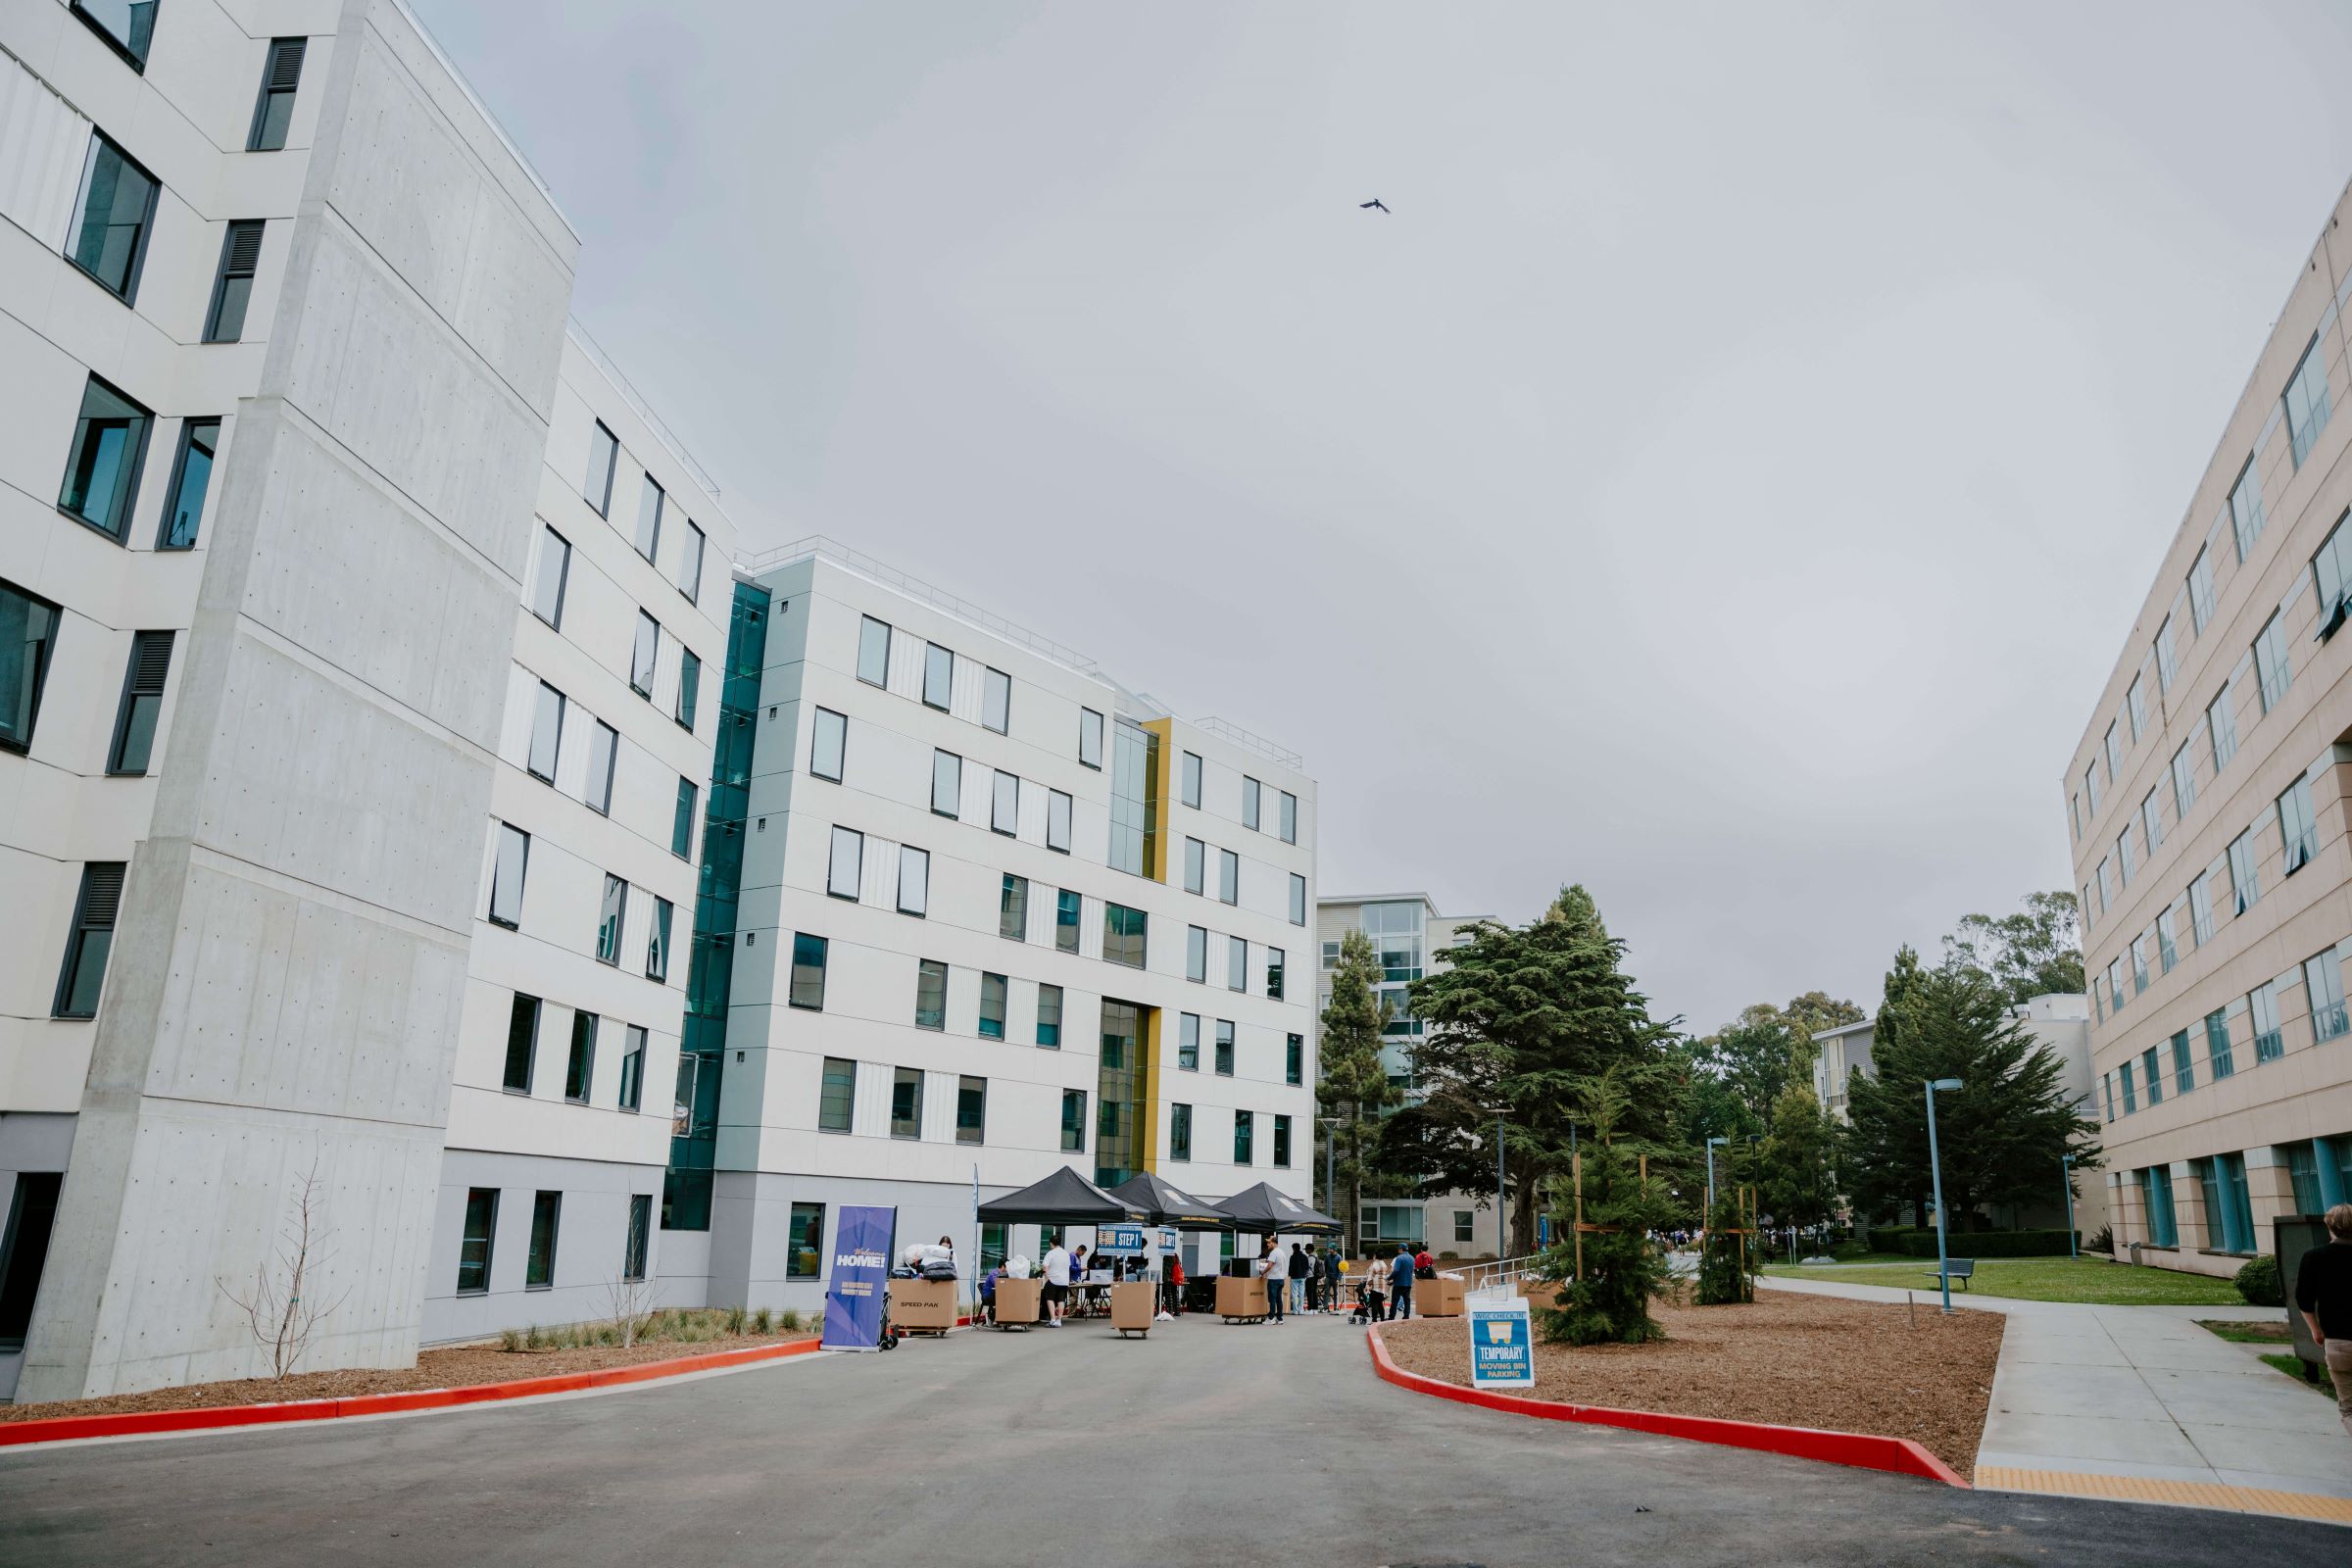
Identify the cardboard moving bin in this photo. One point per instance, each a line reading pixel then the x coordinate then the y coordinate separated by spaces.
pixel 1131 1304
pixel 1437 1297
pixel 922 1307
pixel 1241 1300
pixel 1017 1301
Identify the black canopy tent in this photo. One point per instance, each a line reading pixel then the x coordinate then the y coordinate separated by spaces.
pixel 1064 1197
pixel 1163 1204
pixel 1263 1211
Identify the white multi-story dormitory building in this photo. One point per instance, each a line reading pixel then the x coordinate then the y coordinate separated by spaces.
pixel 2207 802
pixel 365 723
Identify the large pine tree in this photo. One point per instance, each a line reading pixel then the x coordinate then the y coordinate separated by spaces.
pixel 1354 1087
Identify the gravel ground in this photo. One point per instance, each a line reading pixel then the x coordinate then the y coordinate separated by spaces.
pixel 1800 1361
pixel 460 1366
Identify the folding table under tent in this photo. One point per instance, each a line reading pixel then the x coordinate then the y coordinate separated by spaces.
pixel 1165 1204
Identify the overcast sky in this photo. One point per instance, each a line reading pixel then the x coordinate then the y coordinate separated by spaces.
pixel 1725 478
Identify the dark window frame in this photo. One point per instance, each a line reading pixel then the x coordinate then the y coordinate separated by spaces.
pixel 281 77
pixel 188 427
pixel 529 1047
pixel 132 680
pixel 96 877
pixel 637 1242
pixel 128 294
pixel 136 61
pixel 134 464
pixel 240 262
pixel 579 1057
pixel 46 658
pixel 486 1198
pixel 612 458
pixel 539 1272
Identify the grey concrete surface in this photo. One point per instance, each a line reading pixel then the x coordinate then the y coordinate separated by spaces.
pixel 1201 1445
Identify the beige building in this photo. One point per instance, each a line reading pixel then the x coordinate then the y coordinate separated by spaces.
pixel 2207 802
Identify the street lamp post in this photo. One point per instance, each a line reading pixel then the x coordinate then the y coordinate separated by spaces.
pixel 1708 1218
pixel 2066 1174
pixel 1502 1231
pixel 1943 1264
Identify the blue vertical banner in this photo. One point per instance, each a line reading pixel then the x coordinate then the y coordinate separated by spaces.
pixel 862 1240
pixel 1501 1347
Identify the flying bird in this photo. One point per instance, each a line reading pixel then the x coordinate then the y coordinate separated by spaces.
pixel 1375 202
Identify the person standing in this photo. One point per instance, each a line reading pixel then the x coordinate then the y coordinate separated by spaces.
pixel 1402 1269
pixel 1317 1295
pixel 1174 1286
pixel 1301 1269
pixel 1270 1269
pixel 2324 1295
pixel 1057 1283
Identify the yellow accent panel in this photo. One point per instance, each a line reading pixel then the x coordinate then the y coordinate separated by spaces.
pixel 2179 1493
pixel 1155 844
pixel 1148 1113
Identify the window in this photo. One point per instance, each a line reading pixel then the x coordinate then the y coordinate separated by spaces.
pixel 641 1234
pixel 632 1067
pixel 2073 813
pixel 873 651
pixel 1123 933
pixel 1089 738
pixel 2123 852
pixel 1282 1140
pixel 547 733
pixel 2151 823
pixel 1297 898
pixel 641 660
pixel 836 1096
pixel 579 1066
pixel 2262 1003
pixel 1013 909
pixel 1195 860
pixel 2332 575
pixel 804 1243
pixel 128 25
pixel 522 1044
pixel 1187 1041
pixel 828 745
pixel 2135 703
pixel 1276 961
pixel 1004 805
pixel 2106 881
pixel 1236 964
pixel 2115 752
pixel 657 942
pixel 995 700
pixel 191 480
pixel 2131 1096
pixel 2298 829
pixel 1191 783
pixel 946 783
pixel 232 285
pixel 1057 821
pixel 690 687
pixel 1224 1039
pixel 2220 723
pixel 27 644
pixel 971 1111
pixel 1249 803
pixel 807 972
pixel 2114 985
pixel 1180 1132
pixel 2168 662
pixel 1290 818
pixel 1196 953
pixel 1133 800
pixel 1293 1059
pixel 2324 984
pixel 2200 591
pixel 2155 1077
pixel 507 874
pixel 1065 920
pixel 847 864
pixel 690 564
pixel 281 75
pixel 2185 783
pixel 1244 1128
pixel 914 880
pixel 1048 1017
pixel 114 215
pixel 474 1250
pixel 2185 1077
pixel 2164 1230
pixel 930 993
pixel 608 922
pixel 604 748
pixel 2168 951
pixel 1073 1121
pixel 2306 401
pixel 539 1265
pixel 2243 887
pixel 554 571
pixel 2090 787
pixel 102 472
pixel 2245 509
pixel 602 454
pixel 142 700
pixel 681 822
pixel 993 1007
pixel 939 676
pixel 2085 907
pixel 2200 907
pixel 906 1103
pixel 650 499
pixel 2270 661
pixel 2108 1083
pixel 1229 876
pixel 90 940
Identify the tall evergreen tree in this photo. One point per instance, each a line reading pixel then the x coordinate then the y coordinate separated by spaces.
pixel 1354 1087
pixel 1623 1270
pixel 1797 1180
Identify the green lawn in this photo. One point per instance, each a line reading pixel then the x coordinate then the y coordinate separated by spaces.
pixel 2039 1279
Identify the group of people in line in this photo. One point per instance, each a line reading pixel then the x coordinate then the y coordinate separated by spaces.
pixel 1319 1282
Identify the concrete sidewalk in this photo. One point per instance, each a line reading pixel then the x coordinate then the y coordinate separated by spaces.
pixel 2138 1403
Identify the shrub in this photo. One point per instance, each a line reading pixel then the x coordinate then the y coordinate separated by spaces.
pixel 736 1317
pixel 2258 1282
pixel 788 1320
pixel 509 1339
pixel 764 1321
pixel 2104 1242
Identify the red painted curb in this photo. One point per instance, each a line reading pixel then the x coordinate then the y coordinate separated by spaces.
pixel 1895 1456
pixel 62 1428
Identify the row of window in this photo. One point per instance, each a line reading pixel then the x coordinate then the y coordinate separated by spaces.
pixel 28 634
pixel 547 603
pixel 476 1244
pixel 1236 962
pixel 1286 823
pixel 511 867
pixel 101 486
pixel 1004 796
pixel 2171 1063
pixel 549 716
pixel 579 1061
pixel 129 28
pixel 2299 840
pixel 114 218
pixel 653 508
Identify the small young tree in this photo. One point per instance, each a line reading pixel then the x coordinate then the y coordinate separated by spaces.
pixel 1623 1270
pixel 278 1307
pixel 1723 1268
pixel 1354 1087
pixel 630 1301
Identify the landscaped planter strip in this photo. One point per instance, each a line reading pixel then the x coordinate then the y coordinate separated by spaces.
pixel 1894 1455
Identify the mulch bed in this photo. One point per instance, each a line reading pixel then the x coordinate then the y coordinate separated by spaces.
pixel 1790 1360
pixel 460 1366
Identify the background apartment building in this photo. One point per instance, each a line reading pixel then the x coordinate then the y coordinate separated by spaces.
pixel 2206 802
pixel 1406 933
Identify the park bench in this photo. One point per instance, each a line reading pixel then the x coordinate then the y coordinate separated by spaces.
pixel 1962 1269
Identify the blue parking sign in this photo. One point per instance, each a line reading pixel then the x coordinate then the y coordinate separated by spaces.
pixel 1502 1349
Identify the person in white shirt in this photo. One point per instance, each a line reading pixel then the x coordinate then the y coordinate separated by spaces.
pixel 1274 1269
pixel 1057 1283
